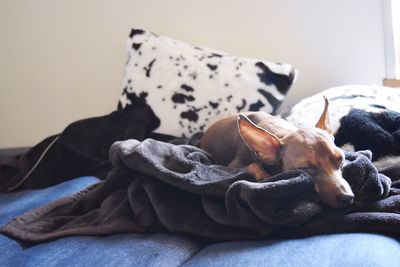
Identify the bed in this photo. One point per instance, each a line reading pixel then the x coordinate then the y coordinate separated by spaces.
pixel 132 187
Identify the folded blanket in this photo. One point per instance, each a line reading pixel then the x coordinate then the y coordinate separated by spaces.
pixel 157 186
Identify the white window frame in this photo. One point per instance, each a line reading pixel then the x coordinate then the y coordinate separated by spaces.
pixel 391 29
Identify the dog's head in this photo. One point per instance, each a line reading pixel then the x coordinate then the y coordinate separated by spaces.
pixel 310 149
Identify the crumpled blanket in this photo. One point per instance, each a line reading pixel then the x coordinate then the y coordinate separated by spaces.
pixel 157 186
pixel 377 132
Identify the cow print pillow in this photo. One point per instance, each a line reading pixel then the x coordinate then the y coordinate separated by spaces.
pixel 190 87
pixel 342 99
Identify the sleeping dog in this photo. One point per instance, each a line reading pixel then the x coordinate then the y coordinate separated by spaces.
pixel 252 139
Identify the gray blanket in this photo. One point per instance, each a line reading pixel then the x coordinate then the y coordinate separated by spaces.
pixel 157 186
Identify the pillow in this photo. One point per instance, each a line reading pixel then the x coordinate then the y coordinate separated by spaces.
pixel 370 98
pixel 190 87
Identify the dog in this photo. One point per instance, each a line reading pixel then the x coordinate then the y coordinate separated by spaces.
pixel 253 139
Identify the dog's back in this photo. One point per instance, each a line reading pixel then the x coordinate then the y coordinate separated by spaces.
pixel 223 141
pixel 256 139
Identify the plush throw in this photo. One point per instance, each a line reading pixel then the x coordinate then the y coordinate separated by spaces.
pixel 378 132
pixel 157 187
pixel 190 87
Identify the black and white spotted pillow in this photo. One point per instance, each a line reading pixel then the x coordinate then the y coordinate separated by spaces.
pixel 342 99
pixel 190 87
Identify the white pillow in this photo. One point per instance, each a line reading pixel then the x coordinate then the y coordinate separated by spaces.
pixel 371 98
pixel 190 87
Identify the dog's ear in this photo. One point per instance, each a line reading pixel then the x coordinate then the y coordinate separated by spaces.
pixel 324 121
pixel 266 145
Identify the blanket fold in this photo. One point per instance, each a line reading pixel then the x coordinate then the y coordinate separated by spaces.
pixel 157 186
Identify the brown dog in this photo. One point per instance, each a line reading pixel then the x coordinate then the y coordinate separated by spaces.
pixel 256 138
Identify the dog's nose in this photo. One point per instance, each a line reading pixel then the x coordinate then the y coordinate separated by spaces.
pixel 345 199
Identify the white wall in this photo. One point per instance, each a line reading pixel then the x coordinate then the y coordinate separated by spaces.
pixel 63 60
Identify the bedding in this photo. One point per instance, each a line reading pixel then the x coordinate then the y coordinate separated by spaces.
pixel 7 153
pixel 157 186
pixel 81 149
pixel 362 117
pixel 165 249
pixel 133 176
pixel 370 98
pixel 378 132
pixel 189 87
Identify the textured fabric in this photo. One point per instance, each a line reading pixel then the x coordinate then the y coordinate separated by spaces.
pixel 364 250
pixel 350 250
pixel 14 204
pixel 377 132
pixel 8 153
pixel 157 186
pixel 115 250
pixel 190 87
pixel 80 150
pixel 370 98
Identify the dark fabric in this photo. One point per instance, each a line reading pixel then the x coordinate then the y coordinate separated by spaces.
pixel 165 249
pixel 8 153
pixel 81 149
pixel 157 186
pixel 377 132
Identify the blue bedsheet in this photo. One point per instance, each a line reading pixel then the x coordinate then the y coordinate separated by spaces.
pixel 356 249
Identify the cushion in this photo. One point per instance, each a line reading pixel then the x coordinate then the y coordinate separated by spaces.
pixel 8 153
pixel 371 98
pixel 189 87
pixel 164 249
pixel 115 250
pixel 356 249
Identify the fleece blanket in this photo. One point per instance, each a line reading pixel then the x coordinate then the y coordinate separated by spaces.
pixel 157 186
pixel 378 132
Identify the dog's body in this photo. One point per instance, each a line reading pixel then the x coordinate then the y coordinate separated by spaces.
pixel 231 150
pixel 253 139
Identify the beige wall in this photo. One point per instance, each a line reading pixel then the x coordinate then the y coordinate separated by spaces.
pixel 63 60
